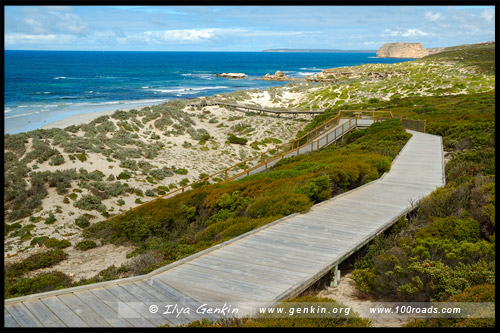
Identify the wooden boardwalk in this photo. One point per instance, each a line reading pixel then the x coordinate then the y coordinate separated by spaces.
pixel 256 269
pixel 251 108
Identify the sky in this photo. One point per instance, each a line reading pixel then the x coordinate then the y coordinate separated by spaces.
pixel 242 28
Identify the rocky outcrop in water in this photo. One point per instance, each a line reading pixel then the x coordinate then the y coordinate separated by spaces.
pixel 232 75
pixel 278 76
pixel 402 50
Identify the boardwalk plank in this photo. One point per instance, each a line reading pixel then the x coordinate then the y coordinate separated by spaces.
pixel 216 284
pixel 118 305
pixel 256 268
pixel 238 277
pixel 44 314
pixel 140 306
pixel 9 321
pixel 23 315
pixel 64 313
pixel 273 262
pixel 89 315
pixel 105 311
pixel 159 300
pixel 270 263
pixel 181 298
pixel 242 272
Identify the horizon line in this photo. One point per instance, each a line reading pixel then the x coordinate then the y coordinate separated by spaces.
pixel 266 50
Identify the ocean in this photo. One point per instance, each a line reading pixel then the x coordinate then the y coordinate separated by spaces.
pixel 46 86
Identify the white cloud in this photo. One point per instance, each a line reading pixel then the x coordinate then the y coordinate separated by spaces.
pixel 189 35
pixel 36 39
pixel 488 14
pixel 199 35
pixel 433 17
pixel 414 33
pixel 51 19
pixel 407 33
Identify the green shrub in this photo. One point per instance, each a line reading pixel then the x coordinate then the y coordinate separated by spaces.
pixel 57 159
pixel 317 189
pixel 279 205
pixel 150 193
pixel 38 240
pixel 124 175
pixel 81 157
pixel 82 221
pixel 86 245
pixel 90 202
pixel 56 243
pixel 484 293
pixel 35 261
pixel 237 140
pixel 39 283
pixel 51 219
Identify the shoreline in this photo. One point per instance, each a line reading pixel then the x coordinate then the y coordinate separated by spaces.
pixel 84 118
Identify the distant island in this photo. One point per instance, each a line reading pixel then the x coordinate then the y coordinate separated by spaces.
pixel 321 50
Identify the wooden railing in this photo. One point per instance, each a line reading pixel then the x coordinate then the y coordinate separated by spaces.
pixel 372 114
pixel 279 151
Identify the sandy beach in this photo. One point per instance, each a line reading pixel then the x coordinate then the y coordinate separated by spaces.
pixel 80 119
pixel 181 151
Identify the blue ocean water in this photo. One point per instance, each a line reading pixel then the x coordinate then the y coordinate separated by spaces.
pixel 45 86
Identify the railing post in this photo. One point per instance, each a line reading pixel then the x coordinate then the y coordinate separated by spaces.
pixel 225 171
pixel 261 157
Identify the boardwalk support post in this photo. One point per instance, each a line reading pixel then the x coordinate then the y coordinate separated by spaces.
pixel 336 277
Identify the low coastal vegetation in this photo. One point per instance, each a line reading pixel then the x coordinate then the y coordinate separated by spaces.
pixel 443 251
pixel 164 231
pixel 118 161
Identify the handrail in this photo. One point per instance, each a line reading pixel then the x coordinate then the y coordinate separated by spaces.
pixel 227 178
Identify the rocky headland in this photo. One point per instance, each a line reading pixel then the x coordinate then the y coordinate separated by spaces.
pixel 402 50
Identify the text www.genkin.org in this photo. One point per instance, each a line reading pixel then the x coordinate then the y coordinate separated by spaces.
pixel 307 310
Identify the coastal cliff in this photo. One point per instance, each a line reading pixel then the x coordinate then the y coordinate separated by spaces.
pixel 402 50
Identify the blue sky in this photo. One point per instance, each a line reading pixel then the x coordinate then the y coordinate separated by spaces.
pixel 242 28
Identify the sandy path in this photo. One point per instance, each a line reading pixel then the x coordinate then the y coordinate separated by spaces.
pixel 346 293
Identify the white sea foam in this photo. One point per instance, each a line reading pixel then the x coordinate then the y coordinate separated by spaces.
pixel 22 115
pixel 59 77
pixel 201 76
pixel 306 73
pixel 185 91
